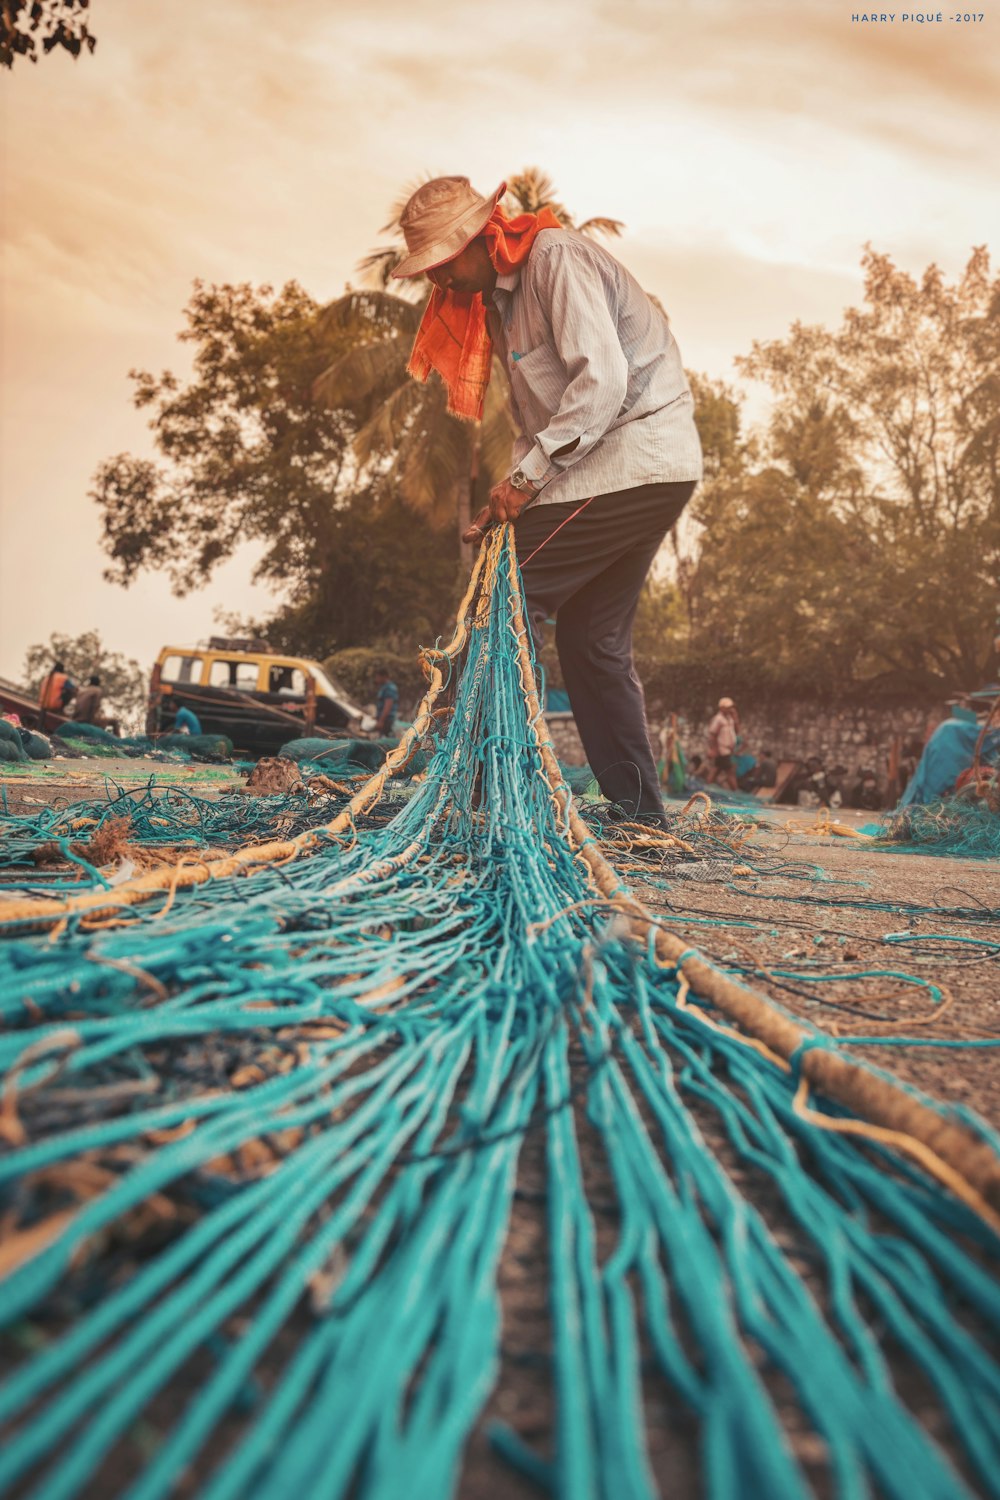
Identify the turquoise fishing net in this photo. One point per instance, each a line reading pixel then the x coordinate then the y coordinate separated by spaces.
pixel 267 1136
pixel 962 826
pixel 94 740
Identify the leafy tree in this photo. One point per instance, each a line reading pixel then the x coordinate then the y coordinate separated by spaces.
pixel 376 579
pixel 664 620
pixel 717 418
pixel 54 23
pixel 441 467
pixel 246 455
pixel 122 678
pixel 860 538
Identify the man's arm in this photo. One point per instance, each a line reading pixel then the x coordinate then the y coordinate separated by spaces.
pixel 580 305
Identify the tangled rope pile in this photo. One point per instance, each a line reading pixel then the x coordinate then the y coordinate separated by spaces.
pixel 963 826
pixel 265 1115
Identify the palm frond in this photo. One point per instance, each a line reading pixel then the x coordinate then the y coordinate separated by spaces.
pixel 377 266
pixel 598 225
pixel 366 316
pixel 497 432
pixel 435 464
pixel 386 432
pixel 531 189
pixel 366 374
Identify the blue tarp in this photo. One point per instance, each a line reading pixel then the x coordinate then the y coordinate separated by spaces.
pixel 947 754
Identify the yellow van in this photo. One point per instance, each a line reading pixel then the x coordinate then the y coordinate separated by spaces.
pixel 242 689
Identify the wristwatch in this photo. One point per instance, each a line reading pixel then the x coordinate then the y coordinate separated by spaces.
pixel 520 481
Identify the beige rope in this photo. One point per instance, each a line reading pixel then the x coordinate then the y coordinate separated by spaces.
pixel 963 1161
pixel 46 911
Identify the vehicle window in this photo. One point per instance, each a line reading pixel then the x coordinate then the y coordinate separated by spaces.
pixel 289 680
pixel 241 675
pixel 181 669
pixel 327 688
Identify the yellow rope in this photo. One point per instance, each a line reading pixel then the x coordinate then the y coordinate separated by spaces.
pixel 910 1145
pixel 827 826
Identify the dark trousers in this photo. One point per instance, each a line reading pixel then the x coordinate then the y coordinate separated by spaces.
pixel 589 576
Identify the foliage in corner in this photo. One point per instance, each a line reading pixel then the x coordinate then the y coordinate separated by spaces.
pixel 52 23
pixel 246 456
pixel 855 540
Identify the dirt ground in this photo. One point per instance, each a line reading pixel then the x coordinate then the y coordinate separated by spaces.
pixel 831 913
pixel 786 909
pixel 859 916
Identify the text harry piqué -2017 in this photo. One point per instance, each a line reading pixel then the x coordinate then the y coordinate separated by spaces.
pixel 917 17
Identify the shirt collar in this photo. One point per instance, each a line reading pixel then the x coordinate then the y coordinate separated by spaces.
pixel 508 283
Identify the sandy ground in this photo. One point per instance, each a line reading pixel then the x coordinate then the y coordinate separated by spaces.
pixel 806 906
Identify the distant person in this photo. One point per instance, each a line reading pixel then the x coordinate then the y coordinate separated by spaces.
pixel 186 722
pixel 386 703
pixel 801 780
pixel 811 786
pixel 836 780
pixel 723 733
pixel 56 692
pixel 909 760
pixel 864 794
pixel 949 751
pixel 673 765
pixel 695 765
pixel 763 774
pixel 87 706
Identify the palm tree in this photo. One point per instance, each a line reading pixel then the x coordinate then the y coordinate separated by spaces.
pixel 435 462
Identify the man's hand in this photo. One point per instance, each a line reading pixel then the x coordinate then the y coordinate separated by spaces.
pixel 476 533
pixel 507 503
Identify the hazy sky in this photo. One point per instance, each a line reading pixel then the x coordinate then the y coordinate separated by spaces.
pixel 750 147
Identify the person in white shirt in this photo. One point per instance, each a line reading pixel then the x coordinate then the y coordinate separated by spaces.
pixel 607 454
pixel 723 734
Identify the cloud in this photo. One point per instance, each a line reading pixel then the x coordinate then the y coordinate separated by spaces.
pixel 750 149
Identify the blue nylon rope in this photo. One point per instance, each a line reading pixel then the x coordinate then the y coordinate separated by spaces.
pixel 439 1009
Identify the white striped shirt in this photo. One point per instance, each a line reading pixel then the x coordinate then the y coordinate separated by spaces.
pixel 593 369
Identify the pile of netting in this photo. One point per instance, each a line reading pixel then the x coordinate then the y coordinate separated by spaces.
pixel 149 825
pixel 20 745
pixel 93 740
pixel 963 826
pixel 346 753
pixel 267 1116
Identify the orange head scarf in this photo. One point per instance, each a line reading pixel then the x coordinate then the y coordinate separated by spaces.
pixel 453 337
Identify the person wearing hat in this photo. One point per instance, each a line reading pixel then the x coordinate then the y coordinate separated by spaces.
pixel 723 733
pixel 607 454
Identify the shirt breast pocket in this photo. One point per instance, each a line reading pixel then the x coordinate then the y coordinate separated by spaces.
pixel 539 381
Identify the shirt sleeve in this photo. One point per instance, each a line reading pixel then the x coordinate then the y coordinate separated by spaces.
pixel 581 305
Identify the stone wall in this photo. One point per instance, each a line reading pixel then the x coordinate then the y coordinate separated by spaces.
pixel 855 736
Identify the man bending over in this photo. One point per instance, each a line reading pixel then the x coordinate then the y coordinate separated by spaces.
pixel 608 454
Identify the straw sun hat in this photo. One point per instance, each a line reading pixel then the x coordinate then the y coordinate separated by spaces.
pixel 442 217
